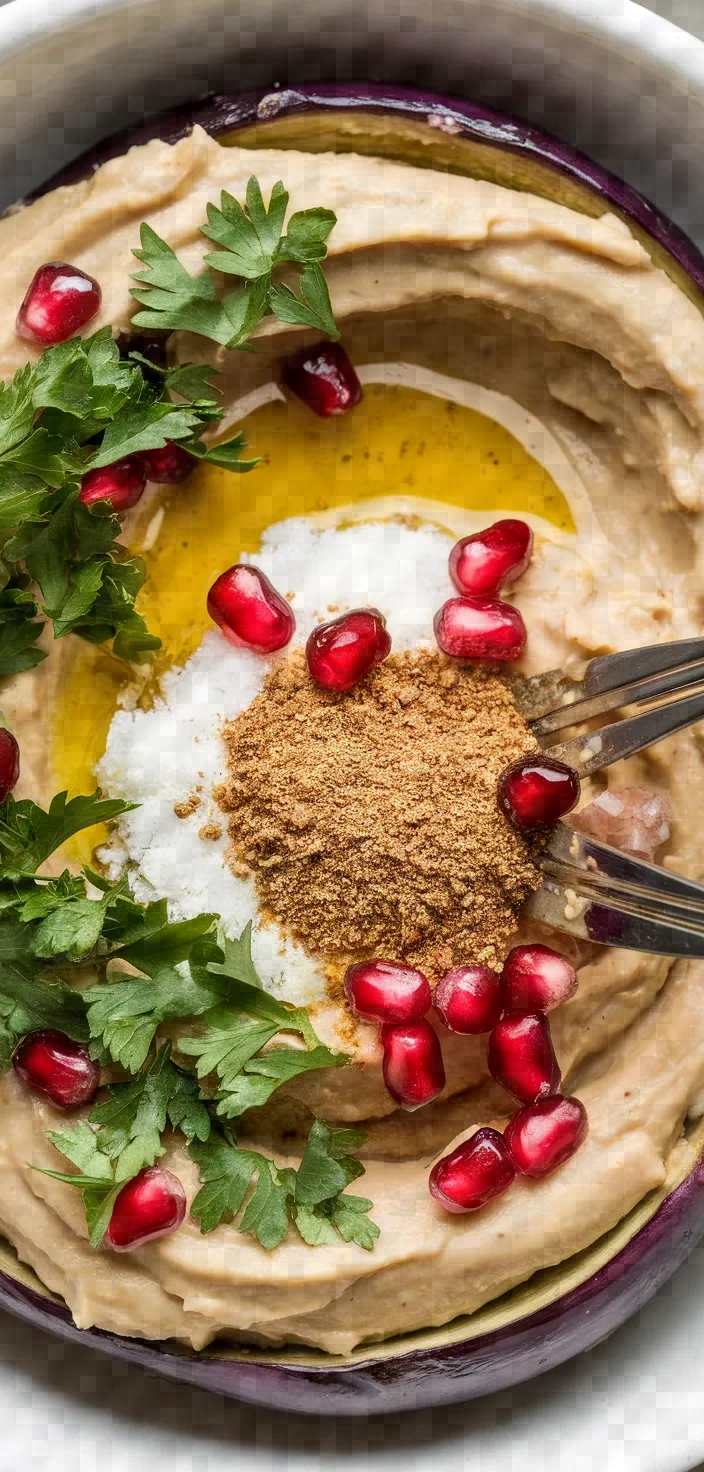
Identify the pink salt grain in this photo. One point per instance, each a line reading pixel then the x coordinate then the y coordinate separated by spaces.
pixel 635 820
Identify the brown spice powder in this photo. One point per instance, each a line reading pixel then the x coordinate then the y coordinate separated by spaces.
pixel 369 820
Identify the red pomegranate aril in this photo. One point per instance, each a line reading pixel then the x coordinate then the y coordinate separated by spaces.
pixel 480 628
pixel 323 377
pixel 491 559
pixel 472 1174
pixel 414 1072
pixel 468 999
pixel 342 652
pixel 536 790
pixel 9 762
pixel 151 1205
pixel 543 1136
pixel 59 301
pixel 169 465
pixel 52 1064
pixel 122 484
pixel 522 1058
pixel 383 991
pixel 250 612
pixel 536 979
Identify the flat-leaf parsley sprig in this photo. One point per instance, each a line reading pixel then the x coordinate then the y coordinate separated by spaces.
pixel 252 246
pixel 81 955
pixel 80 407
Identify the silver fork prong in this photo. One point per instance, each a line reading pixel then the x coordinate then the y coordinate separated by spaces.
pixel 595 750
pixel 538 696
pixel 609 671
pixel 564 908
pixel 588 855
pixel 654 688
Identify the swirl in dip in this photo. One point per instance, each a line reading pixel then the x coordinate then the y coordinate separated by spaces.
pixel 518 358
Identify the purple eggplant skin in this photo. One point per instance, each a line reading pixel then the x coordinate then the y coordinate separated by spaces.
pixel 224 114
pixel 399 1376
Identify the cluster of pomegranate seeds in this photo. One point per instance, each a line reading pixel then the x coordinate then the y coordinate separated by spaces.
pixel 479 624
pixel 169 465
pixel 414 1072
pixel 536 979
pixel 383 991
pixel 549 1128
pixel 9 762
pixel 633 819
pixel 50 1063
pixel 248 609
pixel 340 653
pixel 151 1205
pixel 480 628
pixel 323 377
pixel 469 1176
pixel 122 484
pixel 481 565
pixel 536 790
pixel 60 300
pixel 399 997
pixel 468 999
pixel 542 1136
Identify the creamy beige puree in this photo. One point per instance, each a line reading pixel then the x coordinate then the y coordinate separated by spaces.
pixel 567 317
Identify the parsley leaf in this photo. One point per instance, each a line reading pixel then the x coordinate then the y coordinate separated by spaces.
pixel 252 245
pixel 314 310
pixel 131 1121
pixel 29 835
pixel 27 1004
pixel 19 631
pixel 312 1197
pixel 95 1178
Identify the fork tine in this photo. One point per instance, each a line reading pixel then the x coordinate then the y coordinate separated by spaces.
pixel 538 696
pixel 561 907
pixel 653 688
pixel 598 749
pixel 567 846
pixel 611 670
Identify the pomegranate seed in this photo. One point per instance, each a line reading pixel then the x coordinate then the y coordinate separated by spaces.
pixel 169 465
pixel 537 790
pixel 59 301
pixel 151 1205
pixel 522 1058
pixel 468 999
pixel 480 628
pixel 469 1176
pixel 482 564
pixel 382 991
pixel 248 609
pixel 536 979
pixel 341 653
pixel 543 1136
pixel 414 1072
pixel 9 762
pixel 323 377
pixel 49 1063
pixel 122 484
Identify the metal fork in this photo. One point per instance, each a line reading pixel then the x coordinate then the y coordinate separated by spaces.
pixel 652 676
pixel 598 893
pixel 590 890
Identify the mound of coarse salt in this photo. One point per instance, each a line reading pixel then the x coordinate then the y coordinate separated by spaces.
pixel 173 755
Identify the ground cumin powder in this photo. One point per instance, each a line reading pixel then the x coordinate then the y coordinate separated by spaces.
pixel 369 820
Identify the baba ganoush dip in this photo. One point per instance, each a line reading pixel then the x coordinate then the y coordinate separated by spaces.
pixel 559 330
